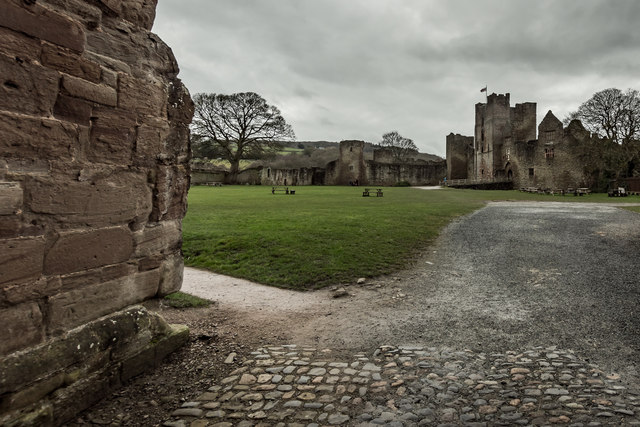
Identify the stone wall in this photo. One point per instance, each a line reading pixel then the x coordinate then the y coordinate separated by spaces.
pixel 296 176
pixel 93 181
pixel 431 173
pixel 459 157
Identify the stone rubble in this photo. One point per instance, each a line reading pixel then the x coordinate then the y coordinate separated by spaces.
pixel 413 386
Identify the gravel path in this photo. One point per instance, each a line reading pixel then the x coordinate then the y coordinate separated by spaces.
pixel 538 299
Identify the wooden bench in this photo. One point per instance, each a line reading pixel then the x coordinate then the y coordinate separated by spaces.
pixel 214 184
pixel 282 189
pixel 582 192
pixel 367 192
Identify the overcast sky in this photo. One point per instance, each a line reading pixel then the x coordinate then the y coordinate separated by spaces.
pixel 355 69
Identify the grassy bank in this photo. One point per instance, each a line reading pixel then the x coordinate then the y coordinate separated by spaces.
pixel 322 235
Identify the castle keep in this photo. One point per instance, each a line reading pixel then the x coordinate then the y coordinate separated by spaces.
pixel 506 149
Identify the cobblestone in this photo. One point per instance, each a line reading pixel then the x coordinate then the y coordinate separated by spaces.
pixel 412 386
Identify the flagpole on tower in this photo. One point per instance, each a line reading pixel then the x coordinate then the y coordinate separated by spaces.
pixel 486 93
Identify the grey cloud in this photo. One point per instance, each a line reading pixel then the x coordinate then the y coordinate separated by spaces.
pixel 417 64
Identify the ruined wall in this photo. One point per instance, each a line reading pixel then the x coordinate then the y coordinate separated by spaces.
pixel 93 182
pixel 384 155
pixel 431 173
pixel 555 161
pixel 297 176
pixel 523 122
pixel 459 157
pixel 206 173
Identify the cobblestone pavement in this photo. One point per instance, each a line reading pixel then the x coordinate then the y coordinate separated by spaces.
pixel 412 386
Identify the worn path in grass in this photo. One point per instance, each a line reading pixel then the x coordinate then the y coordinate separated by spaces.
pixel 513 275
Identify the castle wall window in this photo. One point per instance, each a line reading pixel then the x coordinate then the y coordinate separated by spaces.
pixel 531 172
pixel 548 153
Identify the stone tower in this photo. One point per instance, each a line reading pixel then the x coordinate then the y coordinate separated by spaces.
pixel 351 165
pixel 499 127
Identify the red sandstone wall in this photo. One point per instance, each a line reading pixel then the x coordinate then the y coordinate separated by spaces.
pixel 93 167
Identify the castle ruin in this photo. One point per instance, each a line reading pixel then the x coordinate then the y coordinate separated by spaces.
pixel 506 148
pixel 350 168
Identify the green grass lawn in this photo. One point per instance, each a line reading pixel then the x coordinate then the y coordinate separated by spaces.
pixel 323 235
pixel 633 208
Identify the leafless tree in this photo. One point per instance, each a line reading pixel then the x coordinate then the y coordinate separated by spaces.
pixel 612 114
pixel 400 146
pixel 241 125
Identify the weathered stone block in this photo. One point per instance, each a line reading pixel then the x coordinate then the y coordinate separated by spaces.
pixel 19 46
pixel 150 263
pixel 118 199
pixel 109 77
pixel 13 294
pixel 107 62
pixel 171 273
pixel 73 110
pixel 115 6
pixel 140 12
pixel 27 88
pixel 151 142
pixel 37 415
pixel 31 167
pixel 70 62
pixel 75 307
pixel 22 326
pixel 162 237
pixel 176 147
pixel 152 355
pixel 81 250
pixel 33 393
pixel 21 259
pixel 169 201
pixel 27 137
pixel 79 345
pixel 102 94
pixel 97 275
pixel 10 198
pixel 145 98
pixel 88 15
pixel 43 23
pixel 112 137
pixel 179 105
pixel 68 401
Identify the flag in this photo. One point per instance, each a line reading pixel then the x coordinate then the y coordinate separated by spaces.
pixel 484 89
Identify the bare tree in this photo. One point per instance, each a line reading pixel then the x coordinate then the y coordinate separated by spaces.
pixel 612 114
pixel 241 125
pixel 400 146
